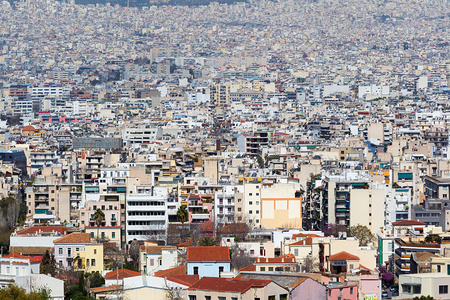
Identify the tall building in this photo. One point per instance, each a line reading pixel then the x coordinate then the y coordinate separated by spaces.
pixel 220 94
pixel 147 217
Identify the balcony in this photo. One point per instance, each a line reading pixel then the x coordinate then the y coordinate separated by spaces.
pixel 200 216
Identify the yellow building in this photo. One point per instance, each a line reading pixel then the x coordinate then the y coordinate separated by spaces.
pixel 89 260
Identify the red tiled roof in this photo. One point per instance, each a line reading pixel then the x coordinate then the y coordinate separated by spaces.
pixel 250 268
pixel 106 288
pixel 343 256
pixel 221 284
pixel 16 255
pixel 236 228
pixel 122 273
pixel 208 253
pixel 181 270
pixel 185 244
pixel 47 229
pixel 207 226
pixel 28 128
pixel 187 280
pixel 295 236
pixel 408 223
pixel 74 238
pixel 304 242
pixel 288 258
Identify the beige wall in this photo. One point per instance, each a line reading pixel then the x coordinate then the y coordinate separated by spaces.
pixel 367 208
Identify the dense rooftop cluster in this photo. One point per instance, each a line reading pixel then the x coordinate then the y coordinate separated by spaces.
pixel 309 139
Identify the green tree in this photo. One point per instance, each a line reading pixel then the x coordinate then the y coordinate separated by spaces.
pixel 182 214
pixel 362 233
pixel 207 241
pixel 48 264
pixel 99 216
pixel 94 279
pixel 13 292
pixel 45 293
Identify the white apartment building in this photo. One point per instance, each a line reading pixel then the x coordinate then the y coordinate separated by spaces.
pixel 140 135
pixel 38 160
pixel 147 217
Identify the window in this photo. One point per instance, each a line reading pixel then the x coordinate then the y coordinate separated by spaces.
pixel 271 297
pixel 329 293
pixel 250 203
pixel 443 289
pixel 69 252
pixel 207 297
pixel 93 262
pixel 417 289
pixel 262 269
pixel 77 249
pixel 250 212
pixel 60 251
pixel 250 194
pixel 87 262
pixel 92 235
pixel 270 268
pixel 95 251
pixel 192 297
pixel 222 298
pixel 351 291
pixel 220 270
pixel 351 266
pixel 234 298
pixel 296 252
pixel 283 297
pixel 252 252
pixel 113 235
pixel 439 268
pixel 195 270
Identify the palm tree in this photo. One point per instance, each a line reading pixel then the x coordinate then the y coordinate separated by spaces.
pixel 182 214
pixel 207 241
pixel 99 216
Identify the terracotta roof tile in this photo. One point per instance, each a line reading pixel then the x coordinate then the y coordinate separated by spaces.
pixel 207 226
pixel 208 253
pixel 304 242
pixel 151 250
pixel 181 270
pixel 295 236
pixel 234 228
pixel 43 229
pixel 288 258
pixel 187 280
pixel 121 274
pixel 408 223
pixel 228 284
pixel 106 288
pixel 74 238
pixel 185 244
pixel 16 255
pixel 343 256
pixel 250 268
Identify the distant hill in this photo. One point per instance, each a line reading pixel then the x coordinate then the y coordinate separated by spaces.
pixel 140 3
